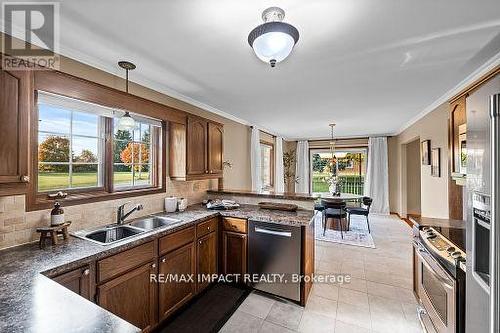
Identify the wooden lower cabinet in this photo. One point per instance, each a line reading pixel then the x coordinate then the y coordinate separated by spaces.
pixel 132 296
pixel 79 281
pixel 174 294
pixel 206 254
pixel 234 253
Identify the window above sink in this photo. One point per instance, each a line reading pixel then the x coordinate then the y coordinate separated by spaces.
pixel 83 154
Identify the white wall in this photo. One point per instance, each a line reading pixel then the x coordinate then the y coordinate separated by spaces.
pixel 413 178
pixel 434 190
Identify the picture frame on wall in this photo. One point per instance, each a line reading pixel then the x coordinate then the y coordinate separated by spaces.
pixel 426 152
pixel 436 162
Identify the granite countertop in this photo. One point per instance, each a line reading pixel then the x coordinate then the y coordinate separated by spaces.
pixel 30 301
pixel 267 194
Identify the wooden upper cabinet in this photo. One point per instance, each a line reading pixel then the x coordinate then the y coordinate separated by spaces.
pixel 196 149
pixel 215 148
pixel 196 146
pixel 15 101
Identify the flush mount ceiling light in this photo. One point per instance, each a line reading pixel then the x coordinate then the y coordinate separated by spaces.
pixel 126 122
pixel 273 41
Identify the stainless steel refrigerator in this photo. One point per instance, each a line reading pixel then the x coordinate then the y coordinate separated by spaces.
pixel 483 231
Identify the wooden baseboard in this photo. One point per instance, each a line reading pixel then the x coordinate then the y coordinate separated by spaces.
pixel 406 220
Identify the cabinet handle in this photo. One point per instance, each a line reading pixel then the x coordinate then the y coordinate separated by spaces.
pixel 153 266
pixel 86 271
pixel 206 171
pixel 164 260
pixel 200 242
pixel 208 228
pixel 25 178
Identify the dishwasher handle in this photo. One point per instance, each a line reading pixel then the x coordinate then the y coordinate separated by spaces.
pixel 273 232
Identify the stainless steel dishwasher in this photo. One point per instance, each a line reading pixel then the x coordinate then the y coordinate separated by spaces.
pixel 275 249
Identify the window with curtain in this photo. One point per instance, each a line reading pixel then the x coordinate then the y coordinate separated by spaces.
pixel 351 169
pixel 74 155
pixel 267 165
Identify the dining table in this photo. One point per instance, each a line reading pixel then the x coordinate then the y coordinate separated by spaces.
pixel 343 197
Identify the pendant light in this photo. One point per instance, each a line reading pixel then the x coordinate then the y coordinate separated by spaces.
pixel 126 122
pixel 274 40
pixel 332 152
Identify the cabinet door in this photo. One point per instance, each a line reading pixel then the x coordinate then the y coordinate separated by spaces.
pixel 234 253
pixel 215 148
pixel 206 253
pixel 15 100
pixel 78 281
pixel 179 263
pixel 132 296
pixel 196 146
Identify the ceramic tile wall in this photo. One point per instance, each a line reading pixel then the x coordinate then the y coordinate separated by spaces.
pixel 18 226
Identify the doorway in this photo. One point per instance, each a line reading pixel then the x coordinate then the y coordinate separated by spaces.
pixel 413 192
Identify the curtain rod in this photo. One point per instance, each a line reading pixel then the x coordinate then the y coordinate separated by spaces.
pixel 340 139
pixel 274 136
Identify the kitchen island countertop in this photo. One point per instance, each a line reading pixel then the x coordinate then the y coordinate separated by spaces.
pixel 30 301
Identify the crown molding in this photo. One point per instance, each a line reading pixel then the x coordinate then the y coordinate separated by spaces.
pixel 470 79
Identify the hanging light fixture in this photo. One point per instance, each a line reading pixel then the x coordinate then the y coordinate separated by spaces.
pixel 332 151
pixel 333 181
pixel 126 122
pixel 273 41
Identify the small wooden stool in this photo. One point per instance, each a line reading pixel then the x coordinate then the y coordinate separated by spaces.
pixel 52 233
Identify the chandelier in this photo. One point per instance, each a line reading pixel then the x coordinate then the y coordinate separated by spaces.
pixel 334 187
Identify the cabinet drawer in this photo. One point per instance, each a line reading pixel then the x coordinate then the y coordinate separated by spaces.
pixel 206 227
pixel 176 240
pixel 235 225
pixel 123 261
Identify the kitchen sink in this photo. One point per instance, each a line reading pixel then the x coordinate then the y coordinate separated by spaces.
pixel 154 222
pixel 109 235
pixel 115 233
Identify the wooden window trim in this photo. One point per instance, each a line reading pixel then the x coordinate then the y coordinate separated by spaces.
pixel 39 200
pixel 265 143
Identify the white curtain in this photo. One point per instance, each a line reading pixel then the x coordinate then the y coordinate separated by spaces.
pixel 255 160
pixel 279 177
pixel 302 167
pixel 377 175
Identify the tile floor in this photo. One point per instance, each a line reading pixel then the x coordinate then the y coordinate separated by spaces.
pixel 379 298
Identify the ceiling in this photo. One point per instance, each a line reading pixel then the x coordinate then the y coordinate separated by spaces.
pixel 370 66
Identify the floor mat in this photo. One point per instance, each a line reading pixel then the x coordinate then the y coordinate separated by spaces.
pixel 209 312
pixel 358 234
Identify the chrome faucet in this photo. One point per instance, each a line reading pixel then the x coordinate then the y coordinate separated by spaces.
pixel 121 215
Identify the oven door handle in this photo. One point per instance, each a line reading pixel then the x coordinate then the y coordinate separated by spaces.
pixel 420 313
pixel 444 281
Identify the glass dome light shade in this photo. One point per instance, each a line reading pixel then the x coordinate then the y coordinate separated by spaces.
pixel 273 45
pixel 273 41
pixel 126 122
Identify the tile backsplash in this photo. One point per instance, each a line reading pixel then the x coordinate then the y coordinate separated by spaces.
pixel 18 226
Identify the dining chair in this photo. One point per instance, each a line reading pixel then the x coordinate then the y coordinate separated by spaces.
pixel 363 211
pixel 336 210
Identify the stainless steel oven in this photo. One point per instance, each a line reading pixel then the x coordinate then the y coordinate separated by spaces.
pixel 437 291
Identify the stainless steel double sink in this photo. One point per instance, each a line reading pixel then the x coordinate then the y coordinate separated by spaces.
pixel 116 233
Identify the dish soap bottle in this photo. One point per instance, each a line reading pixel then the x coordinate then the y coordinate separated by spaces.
pixel 57 215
